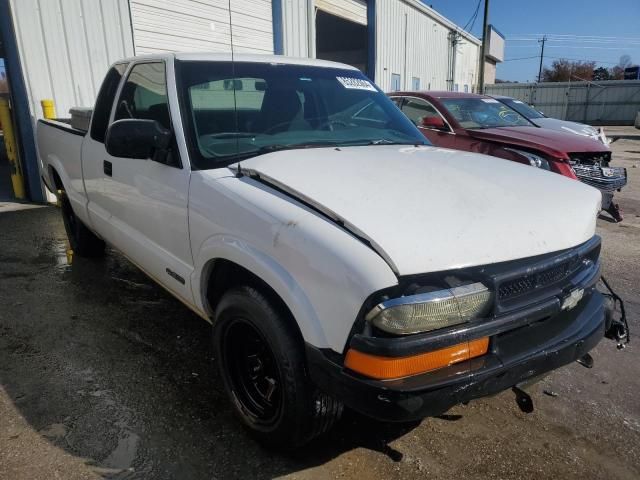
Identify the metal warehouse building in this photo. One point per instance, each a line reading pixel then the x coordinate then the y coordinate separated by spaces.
pixel 60 49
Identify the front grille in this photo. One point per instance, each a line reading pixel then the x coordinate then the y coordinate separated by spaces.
pixel 526 284
pixel 594 175
pixel 527 281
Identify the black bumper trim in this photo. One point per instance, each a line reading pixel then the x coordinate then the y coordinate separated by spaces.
pixel 575 333
pixel 414 344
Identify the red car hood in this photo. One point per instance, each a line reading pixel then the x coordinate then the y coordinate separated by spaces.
pixel 556 144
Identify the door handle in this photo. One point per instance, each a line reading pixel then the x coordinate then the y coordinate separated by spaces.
pixel 107 168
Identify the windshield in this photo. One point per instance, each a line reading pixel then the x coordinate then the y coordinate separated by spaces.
pixel 235 111
pixel 522 108
pixel 483 113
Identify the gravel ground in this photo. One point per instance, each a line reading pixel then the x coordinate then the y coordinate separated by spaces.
pixel 102 374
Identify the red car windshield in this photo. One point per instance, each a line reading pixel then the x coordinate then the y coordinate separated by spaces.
pixel 483 113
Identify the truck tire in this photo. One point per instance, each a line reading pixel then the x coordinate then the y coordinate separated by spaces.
pixel 263 368
pixel 83 241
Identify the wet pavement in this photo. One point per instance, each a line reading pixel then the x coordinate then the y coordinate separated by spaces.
pixel 104 375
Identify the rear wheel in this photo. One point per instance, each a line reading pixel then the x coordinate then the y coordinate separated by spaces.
pixel 83 241
pixel 263 367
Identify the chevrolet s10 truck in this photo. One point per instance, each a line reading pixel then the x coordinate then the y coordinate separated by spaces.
pixel 341 259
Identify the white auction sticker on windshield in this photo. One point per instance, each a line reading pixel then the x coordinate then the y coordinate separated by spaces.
pixel 489 100
pixel 356 83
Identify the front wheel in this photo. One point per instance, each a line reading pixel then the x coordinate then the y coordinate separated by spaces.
pixel 83 241
pixel 263 368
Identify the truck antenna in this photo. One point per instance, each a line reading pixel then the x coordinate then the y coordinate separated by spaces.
pixel 233 80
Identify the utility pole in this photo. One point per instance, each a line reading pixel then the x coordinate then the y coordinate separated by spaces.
pixel 544 39
pixel 485 41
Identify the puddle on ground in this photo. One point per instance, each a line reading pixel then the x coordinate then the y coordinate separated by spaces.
pixel 63 255
pixel 55 430
pixel 122 457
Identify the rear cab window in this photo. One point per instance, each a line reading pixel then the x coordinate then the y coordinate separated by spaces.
pixel 104 102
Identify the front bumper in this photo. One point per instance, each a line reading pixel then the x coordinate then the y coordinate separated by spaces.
pixel 540 340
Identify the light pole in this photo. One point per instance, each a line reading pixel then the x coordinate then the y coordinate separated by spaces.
pixel 544 39
pixel 485 40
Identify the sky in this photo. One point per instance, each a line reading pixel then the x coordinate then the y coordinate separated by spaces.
pixel 611 28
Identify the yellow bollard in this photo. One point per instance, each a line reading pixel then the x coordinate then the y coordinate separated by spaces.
pixel 12 151
pixel 48 109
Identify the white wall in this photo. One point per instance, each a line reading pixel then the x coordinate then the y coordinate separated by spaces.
pixel 295 28
pixel 467 65
pixel 427 47
pixel 66 47
pixel 192 25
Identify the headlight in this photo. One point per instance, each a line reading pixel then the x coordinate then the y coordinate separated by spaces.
pixel 430 311
pixel 534 160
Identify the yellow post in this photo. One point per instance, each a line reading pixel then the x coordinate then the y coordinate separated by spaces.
pixel 12 151
pixel 48 108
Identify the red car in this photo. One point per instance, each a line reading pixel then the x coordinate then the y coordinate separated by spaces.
pixel 477 123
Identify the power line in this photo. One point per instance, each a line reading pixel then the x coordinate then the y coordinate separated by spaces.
pixel 520 58
pixel 473 18
pixel 554 35
pixel 574 47
pixel 559 58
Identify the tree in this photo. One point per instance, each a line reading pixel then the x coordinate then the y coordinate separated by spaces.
pixel 601 73
pixel 564 70
pixel 617 72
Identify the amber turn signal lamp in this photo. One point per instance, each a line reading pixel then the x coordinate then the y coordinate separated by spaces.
pixel 386 368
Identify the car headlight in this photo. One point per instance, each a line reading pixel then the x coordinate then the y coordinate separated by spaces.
pixel 432 310
pixel 534 160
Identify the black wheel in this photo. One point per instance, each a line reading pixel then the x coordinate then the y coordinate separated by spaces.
pixel 263 368
pixel 83 241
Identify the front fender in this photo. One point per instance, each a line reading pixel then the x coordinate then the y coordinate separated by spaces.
pixel 240 252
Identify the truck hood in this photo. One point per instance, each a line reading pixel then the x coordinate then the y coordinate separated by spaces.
pixel 552 142
pixel 428 209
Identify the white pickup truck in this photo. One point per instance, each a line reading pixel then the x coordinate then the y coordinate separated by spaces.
pixel 341 259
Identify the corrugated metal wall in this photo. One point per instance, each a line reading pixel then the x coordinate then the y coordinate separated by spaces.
pixel 295 31
pixel 467 65
pixel 196 25
pixel 66 47
pixel 614 102
pixel 425 54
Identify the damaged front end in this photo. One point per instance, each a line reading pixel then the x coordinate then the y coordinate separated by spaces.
pixel 593 169
pixel 616 325
pixel 546 312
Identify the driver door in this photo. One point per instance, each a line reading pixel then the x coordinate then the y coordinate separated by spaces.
pixel 146 199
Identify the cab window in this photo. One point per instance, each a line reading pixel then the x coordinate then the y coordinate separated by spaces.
pixel 144 95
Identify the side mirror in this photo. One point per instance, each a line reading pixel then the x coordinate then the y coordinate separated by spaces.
pixel 135 138
pixel 433 122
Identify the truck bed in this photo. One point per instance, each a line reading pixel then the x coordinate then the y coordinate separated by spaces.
pixel 60 150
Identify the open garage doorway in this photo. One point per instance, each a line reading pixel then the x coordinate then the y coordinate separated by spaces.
pixel 341 40
pixel 6 190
